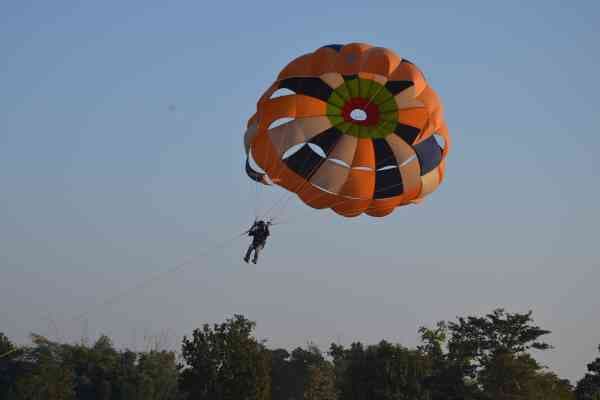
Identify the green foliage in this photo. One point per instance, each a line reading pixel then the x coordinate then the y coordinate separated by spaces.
pixel 434 340
pixel 8 368
pixel 157 375
pixel 290 373
pixel 447 377
pixel 472 358
pixel 52 371
pixel 282 377
pixel 588 388
pixel 379 372
pixel 320 384
pixel 225 362
pixel 510 376
pixel 482 338
pixel 5 345
pixel 488 358
pixel 548 386
pixel 50 377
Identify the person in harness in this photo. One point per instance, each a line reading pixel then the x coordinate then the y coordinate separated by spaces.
pixel 259 232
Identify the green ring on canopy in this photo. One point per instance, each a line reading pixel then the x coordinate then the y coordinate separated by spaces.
pixel 369 96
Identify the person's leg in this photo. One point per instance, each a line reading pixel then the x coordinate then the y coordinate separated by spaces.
pixel 248 253
pixel 256 251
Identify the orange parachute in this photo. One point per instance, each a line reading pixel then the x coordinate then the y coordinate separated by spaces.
pixel 354 128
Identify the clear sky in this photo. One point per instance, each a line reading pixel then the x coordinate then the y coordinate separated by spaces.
pixel 121 155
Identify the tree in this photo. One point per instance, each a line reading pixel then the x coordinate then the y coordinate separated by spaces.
pixel 290 373
pixel 300 362
pixel 379 372
pixel 548 386
pixel 434 340
pixel 480 339
pixel 10 368
pixel 493 351
pixel 446 378
pixel 320 384
pixel 49 378
pixel 588 388
pixel 510 376
pixel 282 377
pixel 473 358
pixel 6 346
pixel 349 370
pixel 100 370
pixel 128 383
pixel 488 358
pixel 225 362
pixel 157 372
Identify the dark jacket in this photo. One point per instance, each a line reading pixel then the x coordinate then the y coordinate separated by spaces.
pixel 259 232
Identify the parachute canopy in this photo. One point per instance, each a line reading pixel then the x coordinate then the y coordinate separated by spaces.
pixel 354 128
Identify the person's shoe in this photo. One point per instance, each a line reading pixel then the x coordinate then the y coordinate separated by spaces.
pixel 254 261
pixel 246 259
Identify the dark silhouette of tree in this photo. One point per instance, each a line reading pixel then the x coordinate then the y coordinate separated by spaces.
pixel 320 384
pixel 10 368
pixel 49 376
pixel 301 360
pixel 588 388
pixel 472 358
pixel 480 339
pixel 282 377
pixel 101 372
pixel 158 372
pixel 447 377
pixel 53 371
pixel 225 362
pixel 379 372
pixel 510 377
pixel 488 358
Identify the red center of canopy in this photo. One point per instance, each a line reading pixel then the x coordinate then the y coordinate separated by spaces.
pixel 358 103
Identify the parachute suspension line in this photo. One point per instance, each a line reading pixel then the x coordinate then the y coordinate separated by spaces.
pixel 276 204
pixel 155 277
pixel 257 196
pixel 283 207
pixel 284 200
pixel 276 173
pixel 257 202
pixel 253 195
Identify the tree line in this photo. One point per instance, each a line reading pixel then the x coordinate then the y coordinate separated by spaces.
pixel 472 358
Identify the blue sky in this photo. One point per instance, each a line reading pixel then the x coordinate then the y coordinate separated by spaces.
pixel 121 156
